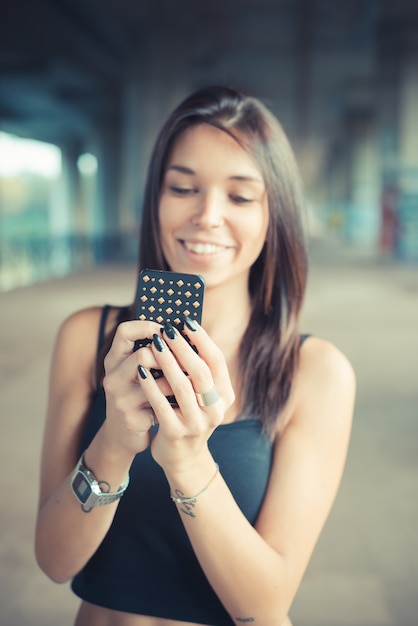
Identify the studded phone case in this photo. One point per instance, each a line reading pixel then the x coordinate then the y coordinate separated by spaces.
pixel 164 296
pixel 169 297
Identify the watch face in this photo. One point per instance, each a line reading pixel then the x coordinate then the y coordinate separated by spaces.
pixel 81 488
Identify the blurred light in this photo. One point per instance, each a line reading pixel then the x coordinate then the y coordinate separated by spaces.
pixel 19 155
pixel 87 164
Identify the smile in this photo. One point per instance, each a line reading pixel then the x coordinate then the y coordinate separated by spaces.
pixel 203 248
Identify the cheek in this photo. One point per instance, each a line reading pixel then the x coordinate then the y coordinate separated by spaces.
pixel 166 218
pixel 256 229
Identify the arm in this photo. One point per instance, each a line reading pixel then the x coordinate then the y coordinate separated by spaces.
pixel 256 571
pixel 66 537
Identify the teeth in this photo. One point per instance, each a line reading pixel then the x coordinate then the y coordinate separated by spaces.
pixel 202 248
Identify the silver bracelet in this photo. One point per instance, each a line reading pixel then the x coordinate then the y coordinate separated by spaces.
pixel 180 499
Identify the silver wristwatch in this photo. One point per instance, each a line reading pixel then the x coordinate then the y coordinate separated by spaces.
pixel 87 488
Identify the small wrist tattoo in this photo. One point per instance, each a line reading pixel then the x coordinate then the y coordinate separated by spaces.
pixel 187 508
pixel 245 620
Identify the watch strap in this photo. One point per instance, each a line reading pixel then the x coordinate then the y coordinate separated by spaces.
pixel 97 496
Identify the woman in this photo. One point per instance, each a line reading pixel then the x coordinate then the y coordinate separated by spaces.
pixel 253 453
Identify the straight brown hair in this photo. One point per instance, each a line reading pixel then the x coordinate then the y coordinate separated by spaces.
pixel 270 346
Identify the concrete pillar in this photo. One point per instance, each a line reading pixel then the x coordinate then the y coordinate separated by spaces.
pixel 363 216
pixel 64 211
pixel 407 240
pixel 103 213
pixel 408 108
pixel 134 154
pixel 398 139
pixel 155 82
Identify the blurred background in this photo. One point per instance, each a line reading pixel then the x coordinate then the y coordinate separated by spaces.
pixel 84 88
pixel 94 80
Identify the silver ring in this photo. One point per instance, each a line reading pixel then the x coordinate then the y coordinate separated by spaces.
pixel 152 417
pixel 208 398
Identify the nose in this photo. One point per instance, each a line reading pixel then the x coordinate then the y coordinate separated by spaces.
pixel 209 211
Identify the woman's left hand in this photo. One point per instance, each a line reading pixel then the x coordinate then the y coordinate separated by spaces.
pixel 203 396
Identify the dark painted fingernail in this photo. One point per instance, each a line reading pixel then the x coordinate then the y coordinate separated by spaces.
pixel 173 402
pixel 158 342
pixel 142 372
pixel 169 330
pixel 191 325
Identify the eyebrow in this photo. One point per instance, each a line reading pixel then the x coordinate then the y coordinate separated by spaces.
pixel 187 170
pixel 250 179
pixel 181 168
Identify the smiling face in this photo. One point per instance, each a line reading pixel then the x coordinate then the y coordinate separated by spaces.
pixel 213 212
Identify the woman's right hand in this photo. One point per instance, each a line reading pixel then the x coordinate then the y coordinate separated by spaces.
pixel 128 412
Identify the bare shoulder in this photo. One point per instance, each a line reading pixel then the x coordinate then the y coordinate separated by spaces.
pixel 319 357
pixel 76 342
pixel 79 332
pixel 80 324
pixel 325 382
pixel 75 352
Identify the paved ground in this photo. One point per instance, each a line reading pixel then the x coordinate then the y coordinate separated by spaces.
pixel 365 569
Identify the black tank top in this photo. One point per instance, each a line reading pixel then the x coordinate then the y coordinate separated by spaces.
pixel 146 564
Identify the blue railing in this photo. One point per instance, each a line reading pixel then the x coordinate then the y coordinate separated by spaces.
pixel 27 261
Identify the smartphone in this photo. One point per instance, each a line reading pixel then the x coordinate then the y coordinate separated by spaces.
pixel 169 297
pixel 164 296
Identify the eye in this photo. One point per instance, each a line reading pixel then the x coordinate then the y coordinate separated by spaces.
pixel 240 199
pixel 181 191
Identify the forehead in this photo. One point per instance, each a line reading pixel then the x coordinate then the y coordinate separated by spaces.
pixel 204 144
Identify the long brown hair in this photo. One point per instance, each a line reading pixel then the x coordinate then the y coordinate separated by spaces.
pixel 270 346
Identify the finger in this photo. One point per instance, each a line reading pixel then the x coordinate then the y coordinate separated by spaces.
pixel 185 387
pixel 199 370
pixel 162 383
pixel 218 383
pixel 122 386
pixel 156 397
pixel 127 372
pixel 208 351
pixel 120 357
pixel 127 333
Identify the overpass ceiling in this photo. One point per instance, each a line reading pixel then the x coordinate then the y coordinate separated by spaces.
pixel 64 63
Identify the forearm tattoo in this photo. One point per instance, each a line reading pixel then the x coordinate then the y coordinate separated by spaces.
pixel 245 620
